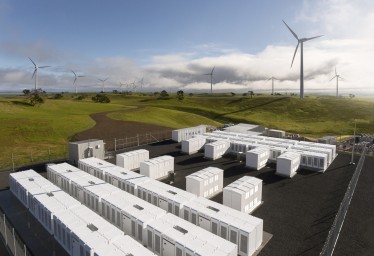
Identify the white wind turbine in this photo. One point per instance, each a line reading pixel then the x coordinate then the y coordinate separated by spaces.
pixel 337 82
pixel 272 84
pixel 300 42
pixel 36 68
pixel 75 79
pixel 211 79
pixel 103 82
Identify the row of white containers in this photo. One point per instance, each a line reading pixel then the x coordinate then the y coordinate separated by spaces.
pixel 244 194
pixel 315 156
pixel 242 229
pixel 207 182
pixel 131 160
pixel 187 133
pixel 79 230
pixel 161 232
pixel 158 167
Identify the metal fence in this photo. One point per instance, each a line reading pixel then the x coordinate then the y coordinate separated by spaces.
pixel 138 140
pixel 11 239
pixel 332 238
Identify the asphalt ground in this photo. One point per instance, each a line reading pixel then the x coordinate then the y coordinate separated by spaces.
pixel 298 212
pixel 357 234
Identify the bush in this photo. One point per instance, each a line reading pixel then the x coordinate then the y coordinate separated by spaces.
pixel 81 97
pixel 35 97
pixel 100 98
pixel 164 94
pixel 180 95
pixel 57 96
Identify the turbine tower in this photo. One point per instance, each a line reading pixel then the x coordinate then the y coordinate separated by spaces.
pixel 301 43
pixel 272 84
pixel 337 82
pixel 36 68
pixel 103 82
pixel 75 79
pixel 211 79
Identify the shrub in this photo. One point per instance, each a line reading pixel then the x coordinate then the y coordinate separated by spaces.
pixel 100 98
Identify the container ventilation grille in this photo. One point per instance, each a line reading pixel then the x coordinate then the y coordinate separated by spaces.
pixel 213 209
pixel 50 194
pixel 172 192
pixel 31 179
pixel 180 229
pixel 92 227
pixel 123 173
pixel 138 207
pixel 91 182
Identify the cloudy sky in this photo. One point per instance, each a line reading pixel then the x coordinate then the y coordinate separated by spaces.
pixel 171 44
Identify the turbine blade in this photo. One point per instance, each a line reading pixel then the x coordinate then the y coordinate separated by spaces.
pixel 293 33
pixel 74 73
pixel 34 73
pixel 32 61
pixel 75 79
pixel 341 78
pixel 297 46
pixel 81 76
pixel 213 70
pixel 206 74
pixel 310 38
pixel 44 67
pixel 332 78
pixel 335 71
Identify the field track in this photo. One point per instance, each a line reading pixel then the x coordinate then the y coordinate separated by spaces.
pixel 107 129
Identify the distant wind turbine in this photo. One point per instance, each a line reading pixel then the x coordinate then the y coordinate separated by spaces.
pixel 36 68
pixel 75 79
pixel 120 85
pixel 272 84
pixel 103 82
pixel 300 42
pixel 141 83
pixel 211 79
pixel 337 82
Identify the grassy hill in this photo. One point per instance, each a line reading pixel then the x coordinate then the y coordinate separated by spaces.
pixel 36 133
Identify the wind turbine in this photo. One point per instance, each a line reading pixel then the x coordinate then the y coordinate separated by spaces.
pixel 134 86
pixel 141 82
pixel 337 82
pixel 103 81
pixel 211 79
pixel 300 42
pixel 120 85
pixel 36 67
pixel 75 79
pixel 272 84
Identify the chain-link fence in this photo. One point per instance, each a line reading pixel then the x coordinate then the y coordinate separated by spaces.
pixel 332 238
pixel 138 140
pixel 11 239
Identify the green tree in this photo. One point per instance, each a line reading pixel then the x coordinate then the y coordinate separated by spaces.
pixel 35 97
pixel 164 94
pixel 180 95
pixel 100 98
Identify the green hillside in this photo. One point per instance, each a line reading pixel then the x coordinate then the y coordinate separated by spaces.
pixel 38 133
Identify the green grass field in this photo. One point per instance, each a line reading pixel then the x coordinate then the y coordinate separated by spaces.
pixel 39 133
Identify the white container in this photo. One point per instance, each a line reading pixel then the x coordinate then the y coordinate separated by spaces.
pixel 94 166
pixel 276 133
pixel 244 195
pixel 131 160
pixel 206 183
pixel 314 161
pixel 193 145
pixel 217 149
pixel 240 146
pixel 311 148
pixel 275 151
pixel 157 168
pixel 257 158
pixel 288 163
pixel 187 133
pixel 84 149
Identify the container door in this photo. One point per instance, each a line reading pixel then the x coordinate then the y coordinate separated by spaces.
pixel 126 224
pixel 215 225
pixel 163 204
pixel 168 248
pixel 75 247
pixel 224 231
pixel 204 223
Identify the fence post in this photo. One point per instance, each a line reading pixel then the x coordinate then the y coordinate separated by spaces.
pixel 49 154
pixel 32 160
pixel 13 161
pixel 138 138
pixel 14 242
pixel 6 237
pixel 115 145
